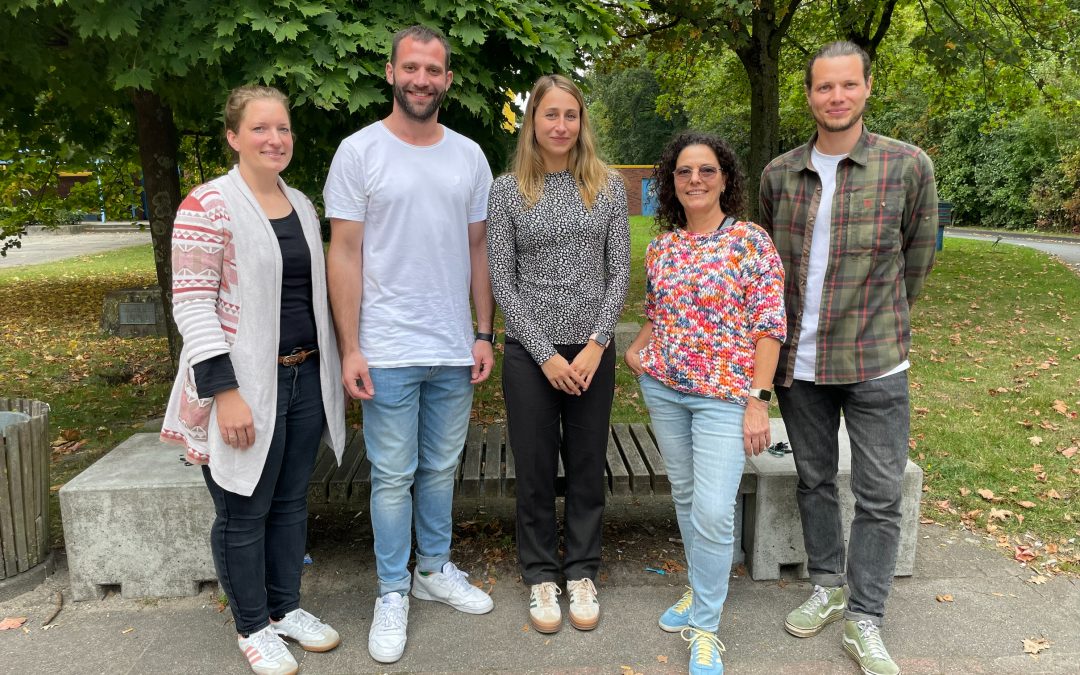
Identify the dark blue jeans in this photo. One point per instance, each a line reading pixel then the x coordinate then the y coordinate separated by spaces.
pixel 258 541
pixel 877 417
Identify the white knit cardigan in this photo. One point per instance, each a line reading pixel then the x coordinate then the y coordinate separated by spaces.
pixel 227 299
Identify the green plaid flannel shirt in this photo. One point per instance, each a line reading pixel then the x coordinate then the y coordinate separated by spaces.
pixel 881 248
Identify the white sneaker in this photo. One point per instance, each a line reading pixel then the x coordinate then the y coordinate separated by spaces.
pixel 301 627
pixel 584 607
pixel 544 613
pixel 451 586
pixel 266 653
pixel 386 639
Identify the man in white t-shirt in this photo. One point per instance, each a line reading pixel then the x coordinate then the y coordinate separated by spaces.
pixel 407 202
pixel 854 218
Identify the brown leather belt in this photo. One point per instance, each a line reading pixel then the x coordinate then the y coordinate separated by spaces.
pixel 296 358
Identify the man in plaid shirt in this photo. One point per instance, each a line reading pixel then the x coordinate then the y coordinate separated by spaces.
pixel 854 218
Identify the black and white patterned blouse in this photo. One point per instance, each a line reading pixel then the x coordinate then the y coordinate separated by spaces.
pixel 559 271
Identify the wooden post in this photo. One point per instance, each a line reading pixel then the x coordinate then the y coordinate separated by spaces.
pixel 24 485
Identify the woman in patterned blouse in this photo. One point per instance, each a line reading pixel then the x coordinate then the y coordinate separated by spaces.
pixel 559 251
pixel 705 360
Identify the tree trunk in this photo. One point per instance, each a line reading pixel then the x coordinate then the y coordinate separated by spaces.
pixel 158 150
pixel 760 57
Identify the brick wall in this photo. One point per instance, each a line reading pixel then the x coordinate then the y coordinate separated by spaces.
pixel 632 176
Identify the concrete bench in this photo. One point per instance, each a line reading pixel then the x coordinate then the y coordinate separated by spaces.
pixel 139 517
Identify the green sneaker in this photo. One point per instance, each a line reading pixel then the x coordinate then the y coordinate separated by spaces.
pixel 824 606
pixel 862 642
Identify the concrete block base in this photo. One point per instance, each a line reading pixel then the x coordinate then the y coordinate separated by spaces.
pixel 772 529
pixel 140 519
pixel 28 580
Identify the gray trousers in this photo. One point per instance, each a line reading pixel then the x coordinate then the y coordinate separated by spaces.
pixel 878 421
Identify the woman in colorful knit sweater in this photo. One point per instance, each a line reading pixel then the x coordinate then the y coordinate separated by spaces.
pixel 559 254
pixel 259 382
pixel 705 360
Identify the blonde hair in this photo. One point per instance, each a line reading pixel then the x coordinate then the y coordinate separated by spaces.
pixel 587 169
pixel 241 96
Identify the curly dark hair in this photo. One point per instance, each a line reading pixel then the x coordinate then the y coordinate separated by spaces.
pixel 669 212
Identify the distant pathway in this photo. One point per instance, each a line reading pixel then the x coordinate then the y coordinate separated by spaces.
pixel 1067 249
pixel 40 247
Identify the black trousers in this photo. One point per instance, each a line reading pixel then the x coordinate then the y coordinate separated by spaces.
pixel 544 423
pixel 258 541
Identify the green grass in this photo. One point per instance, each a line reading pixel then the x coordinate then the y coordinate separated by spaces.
pixel 995 375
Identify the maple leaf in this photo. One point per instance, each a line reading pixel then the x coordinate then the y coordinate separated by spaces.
pixel 988 495
pixel 1024 554
pixel 1035 645
pixel 1053 494
pixel 1035 440
pixel 1027 504
pixel 999 514
pixel 947 597
pixel 10 622
pixel 1069 451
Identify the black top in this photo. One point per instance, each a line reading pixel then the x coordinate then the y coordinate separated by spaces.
pixel 297 312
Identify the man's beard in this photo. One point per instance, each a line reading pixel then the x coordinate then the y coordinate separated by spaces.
pixel 829 125
pixel 423 114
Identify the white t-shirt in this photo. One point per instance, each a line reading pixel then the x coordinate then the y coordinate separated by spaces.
pixel 416 203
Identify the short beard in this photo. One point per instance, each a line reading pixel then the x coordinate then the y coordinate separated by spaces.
pixel 837 128
pixel 425 113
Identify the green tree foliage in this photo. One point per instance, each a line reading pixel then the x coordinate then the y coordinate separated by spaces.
pixel 623 108
pixel 170 63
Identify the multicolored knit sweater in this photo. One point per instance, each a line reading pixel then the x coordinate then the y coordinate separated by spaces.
pixel 711 297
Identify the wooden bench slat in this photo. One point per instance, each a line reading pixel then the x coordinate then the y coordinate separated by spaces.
pixel 469 485
pixel 620 477
pixel 653 459
pixel 493 442
pixel 343 475
pixel 360 487
pixel 325 465
pixel 510 472
pixel 640 479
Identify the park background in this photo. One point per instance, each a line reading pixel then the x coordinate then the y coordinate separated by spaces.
pixel 130 93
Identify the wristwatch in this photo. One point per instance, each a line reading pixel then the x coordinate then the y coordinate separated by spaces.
pixel 602 339
pixel 761 394
pixel 486 337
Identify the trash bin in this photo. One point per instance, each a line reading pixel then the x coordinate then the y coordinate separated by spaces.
pixel 944 219
pixel 25 557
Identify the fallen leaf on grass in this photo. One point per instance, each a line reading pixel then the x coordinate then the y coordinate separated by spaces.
pixel 1035 440
pixel 1061 407
pixel 927 521
pixel 999 514
pixel 1027 505
pixel 988 495
pixel 10 622
pixel 964 492
pixel 1069 451
pixel 1053 494
pixel 1035 645
pixel 944 598
pixel 967 379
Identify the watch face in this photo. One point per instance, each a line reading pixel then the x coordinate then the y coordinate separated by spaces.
pixel 601 339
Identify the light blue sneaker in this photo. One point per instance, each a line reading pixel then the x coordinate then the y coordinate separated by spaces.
pixel 677 617
pixel 705 651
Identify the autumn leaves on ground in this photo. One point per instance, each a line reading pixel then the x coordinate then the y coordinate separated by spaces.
pixel 995 381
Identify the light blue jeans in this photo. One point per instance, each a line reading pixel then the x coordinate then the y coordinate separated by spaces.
pixel 414 430
pixel 702 443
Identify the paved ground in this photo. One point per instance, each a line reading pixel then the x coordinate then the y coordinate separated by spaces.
pixel 993 609
pixel 42 247
pixel 1067 249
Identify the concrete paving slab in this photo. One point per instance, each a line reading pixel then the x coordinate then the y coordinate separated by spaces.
pixel 980 631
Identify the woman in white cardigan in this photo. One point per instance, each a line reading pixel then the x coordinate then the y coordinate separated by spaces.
pixel 259 378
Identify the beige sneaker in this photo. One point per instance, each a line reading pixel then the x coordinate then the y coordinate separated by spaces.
pixel 584 607
pixel 544 613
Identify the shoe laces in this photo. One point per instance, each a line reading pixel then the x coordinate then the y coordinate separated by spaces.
pixel 268 644
pixel 816 601
pixel 582 591
pixel 306 621
pixel 871 636
pixel 708 647
pixel 391 612
pixel 545 593
pixel 455 577
pixel 685 601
